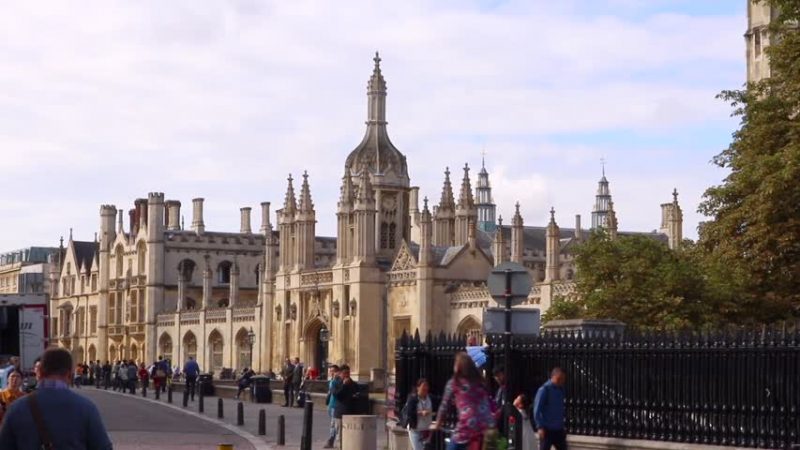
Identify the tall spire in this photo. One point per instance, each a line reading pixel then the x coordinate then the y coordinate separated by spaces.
pixel 289 202
pixel 376 92
pixel 447 201
pixel 465 199
pixel 306 205
pixel 346 192
pixel 487 210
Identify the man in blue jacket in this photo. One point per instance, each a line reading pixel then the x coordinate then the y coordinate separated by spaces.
pixel 53 416
pixel 191 370
pixel 548 412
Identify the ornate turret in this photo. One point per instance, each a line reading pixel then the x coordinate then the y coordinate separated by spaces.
pixel 552 248
pixel 286 219
pixel 305 221
pixel 376 153
pixel 466 215
pixel 426 235
pixel 487 210
pixel 499 250
pixel 444 215
pixel 602 203
pixel 517 239
pixel 672 221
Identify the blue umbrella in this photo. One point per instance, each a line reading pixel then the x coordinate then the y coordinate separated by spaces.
pixel 477 354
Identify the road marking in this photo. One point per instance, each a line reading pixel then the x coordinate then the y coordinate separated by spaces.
pixel 257 443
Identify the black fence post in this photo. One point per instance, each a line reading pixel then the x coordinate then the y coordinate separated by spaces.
pixel 200 402
pixel 185 398
pixel 158 393
pixel 144 390
pixel 262 422
pixel 281 430
pixel 239 414
pixel 308 418
pixel 220 413
pixel 169 394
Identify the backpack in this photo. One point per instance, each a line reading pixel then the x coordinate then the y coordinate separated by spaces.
pixel 402 420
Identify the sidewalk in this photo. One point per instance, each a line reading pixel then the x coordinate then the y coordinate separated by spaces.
pixel 293 416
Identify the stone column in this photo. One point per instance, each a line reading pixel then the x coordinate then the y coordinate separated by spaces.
pixel 359 432
pixel 181 292
pixel 207 288
pixel 245 220
pixel 233 297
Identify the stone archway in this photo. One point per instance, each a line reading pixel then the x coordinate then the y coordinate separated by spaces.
pixel 92 353
pixel 134 353
pixel 316 344
pixel 243 355
pixel 189 346
pixel 471 327
pixel 165 346
pixel 216 349
pixel 79 355
pixel 112 353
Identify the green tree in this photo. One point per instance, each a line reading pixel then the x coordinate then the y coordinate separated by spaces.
pixel 755 230
pixel 640 281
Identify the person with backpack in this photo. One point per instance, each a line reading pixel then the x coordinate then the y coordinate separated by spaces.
pixel 417 415
pixel 466 392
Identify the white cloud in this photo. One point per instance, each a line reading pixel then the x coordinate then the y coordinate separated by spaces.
pixel 105 101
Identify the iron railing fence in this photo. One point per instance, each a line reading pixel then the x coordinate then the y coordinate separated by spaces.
pixel 735 387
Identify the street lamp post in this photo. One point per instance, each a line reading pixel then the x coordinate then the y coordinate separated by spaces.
pixel 251 339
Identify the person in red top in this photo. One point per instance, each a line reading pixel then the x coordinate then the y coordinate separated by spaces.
pixel 312 373
pixel 144 375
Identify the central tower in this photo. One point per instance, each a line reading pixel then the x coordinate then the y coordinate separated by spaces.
pixel 386 168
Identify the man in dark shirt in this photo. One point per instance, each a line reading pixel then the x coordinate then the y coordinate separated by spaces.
pixel 288 386
pixel 69 420
pixel 344 390
pixel 297 378
pixel 191 370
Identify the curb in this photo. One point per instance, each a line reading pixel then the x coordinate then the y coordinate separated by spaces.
pixel 256 442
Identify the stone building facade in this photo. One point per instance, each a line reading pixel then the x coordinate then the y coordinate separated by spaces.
pixel 154 288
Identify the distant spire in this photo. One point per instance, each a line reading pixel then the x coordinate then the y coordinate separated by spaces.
pixel 675 195
pixel 119 221
pixel 500 221
pixel 70 234
pixel 447 201
pixel 61 242
pixel 306 205
pixel 183 221
pixel 552 215
pixel 465 199
pixel 376 91
pixel 346 192
pixel 516 221
pixel 289 202
pixel 603 165
pixel 425 215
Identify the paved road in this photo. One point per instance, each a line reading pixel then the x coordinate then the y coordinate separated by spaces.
pixel 135 424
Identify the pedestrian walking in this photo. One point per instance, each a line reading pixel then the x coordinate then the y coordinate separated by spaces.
pixel 115 374
pixel 107 374
pixel 191 370
pixel 123 376
pixel 549 411
pixel 344 390
pixel 53 416
pixel 330 400
pixel 288 386
pixel 144 376
pixel 417 415
pixel 133 373
pixel 77 380
pixel 466 392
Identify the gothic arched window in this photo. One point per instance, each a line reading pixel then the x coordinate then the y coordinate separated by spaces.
pixel 384 235
pixel 392 234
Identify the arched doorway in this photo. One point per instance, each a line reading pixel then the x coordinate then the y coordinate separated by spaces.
pixel 471 328
pixel 189 346
pixel 215 351
pixel 79 356
pixel 165 346
pixel 92 353
pixel 316 338
pixel 134 356
pixel 112 353
pixel 243 358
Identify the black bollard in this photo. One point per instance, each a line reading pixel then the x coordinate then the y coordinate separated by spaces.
pixel 200 405
pixel 220 413
pixel 144 390
pixel 240 414
pixel 262 423
pixel 158 393
pixel 169 395
pixel 308 418
pixel 281 430
pixel 185 398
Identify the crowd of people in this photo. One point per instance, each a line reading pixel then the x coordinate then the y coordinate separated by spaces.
pixel 479 418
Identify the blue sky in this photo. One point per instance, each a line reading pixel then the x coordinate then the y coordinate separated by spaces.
pixel 104 102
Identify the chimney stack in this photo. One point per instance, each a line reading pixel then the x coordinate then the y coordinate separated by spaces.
pixel 245 215
pixel 265 225
pixel 173 215
pixel 578 231
pixel 197 218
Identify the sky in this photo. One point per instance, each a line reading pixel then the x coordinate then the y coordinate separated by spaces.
pixel 102 102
